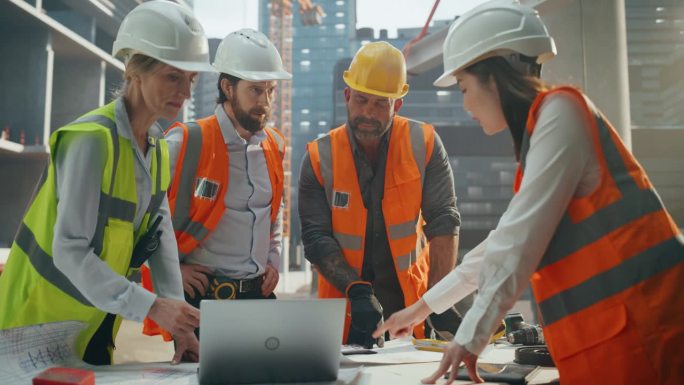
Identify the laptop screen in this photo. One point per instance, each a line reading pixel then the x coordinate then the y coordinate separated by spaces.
pixel 272 341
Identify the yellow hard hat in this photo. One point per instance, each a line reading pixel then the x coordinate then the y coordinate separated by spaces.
pixel 379 69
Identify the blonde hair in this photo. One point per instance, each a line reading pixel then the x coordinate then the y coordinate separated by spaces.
pixel 138 64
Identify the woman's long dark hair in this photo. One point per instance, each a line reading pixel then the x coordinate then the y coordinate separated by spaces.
pixel 516 92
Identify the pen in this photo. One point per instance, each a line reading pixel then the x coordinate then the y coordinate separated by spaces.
pixel 429 345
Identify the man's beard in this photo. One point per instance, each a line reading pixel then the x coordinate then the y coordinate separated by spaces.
pixel 377 131
pixel 245 118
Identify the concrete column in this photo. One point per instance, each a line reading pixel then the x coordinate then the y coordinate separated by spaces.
pixel 25 65
pixel 76 88
pixel 592 54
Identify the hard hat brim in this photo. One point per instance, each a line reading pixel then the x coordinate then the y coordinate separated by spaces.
pixel 360 88
pixel 189 65
pixel 257 76
pixel 446 80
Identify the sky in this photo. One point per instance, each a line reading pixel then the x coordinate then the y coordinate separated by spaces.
pixel 219 17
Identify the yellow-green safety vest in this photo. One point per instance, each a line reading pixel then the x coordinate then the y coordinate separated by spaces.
pixel 32 289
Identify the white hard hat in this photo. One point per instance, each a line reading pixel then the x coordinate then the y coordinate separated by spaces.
pixel 496 28
pixel 249 55
pixel 165 31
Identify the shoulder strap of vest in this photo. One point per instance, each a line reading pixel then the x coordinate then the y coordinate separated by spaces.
pixel 422 144
pixel 274 134
pixel 159 190
pixel 320 155
pixel 188 161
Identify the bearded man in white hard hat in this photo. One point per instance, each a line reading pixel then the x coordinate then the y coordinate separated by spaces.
pixel 227 191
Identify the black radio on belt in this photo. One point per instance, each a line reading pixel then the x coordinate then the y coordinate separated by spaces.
pixel 147 244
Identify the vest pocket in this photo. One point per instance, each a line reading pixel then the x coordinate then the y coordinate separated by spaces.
pixel 604 349
pixel 118 245
pixel 586 331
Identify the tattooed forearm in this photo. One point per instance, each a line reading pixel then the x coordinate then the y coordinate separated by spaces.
pixel 337 271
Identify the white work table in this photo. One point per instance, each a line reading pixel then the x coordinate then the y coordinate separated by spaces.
pixel 185 374
pixel 350 373
pixel 27 351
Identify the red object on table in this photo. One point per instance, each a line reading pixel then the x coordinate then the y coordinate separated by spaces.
pixel 65 376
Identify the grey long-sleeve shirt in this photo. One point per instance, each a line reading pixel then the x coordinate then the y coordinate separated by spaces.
pixel 244 241
pixel 79 161
pixel 438 209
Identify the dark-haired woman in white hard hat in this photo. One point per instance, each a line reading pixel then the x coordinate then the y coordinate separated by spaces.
pixel 585 227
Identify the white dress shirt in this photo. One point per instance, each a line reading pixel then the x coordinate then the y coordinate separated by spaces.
pixel 244 241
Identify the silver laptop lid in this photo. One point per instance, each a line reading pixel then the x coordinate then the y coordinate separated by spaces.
pixel 270 341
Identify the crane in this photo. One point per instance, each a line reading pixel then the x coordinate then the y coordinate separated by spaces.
pixel 280 33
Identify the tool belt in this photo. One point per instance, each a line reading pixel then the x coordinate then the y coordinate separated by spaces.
pixel 221 287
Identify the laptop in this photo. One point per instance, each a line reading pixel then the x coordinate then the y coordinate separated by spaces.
pixel 270 341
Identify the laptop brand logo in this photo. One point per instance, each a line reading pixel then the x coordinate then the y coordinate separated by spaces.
pixel 272 343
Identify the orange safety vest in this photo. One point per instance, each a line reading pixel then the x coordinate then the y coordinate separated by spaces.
pixel 410 148
pixel 200 182
pixel 609 284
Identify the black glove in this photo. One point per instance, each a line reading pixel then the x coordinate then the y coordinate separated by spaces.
pixel 366 315
pixel 443 326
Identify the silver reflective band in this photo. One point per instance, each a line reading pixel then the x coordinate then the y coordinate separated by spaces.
pixel 621 277
pixel 196 230
pixel 193 148
pixel 635 203
pixel 348 241
pixel 325 161
pixel 404 261
pixel 572 237
pixel 44 264
pixel 402 230
pixel 120 209
pixel 418 146
pixel 280 142
pixel 159 193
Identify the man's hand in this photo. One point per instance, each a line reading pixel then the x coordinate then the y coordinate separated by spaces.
pixel 401 323
pixel 271 278
pixel 195 278
pixel 366 315
pixel 454 354
pixel 187 348
pixel 177 317
pixel 443 326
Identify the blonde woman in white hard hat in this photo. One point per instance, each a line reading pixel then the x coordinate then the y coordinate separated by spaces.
pixel 585 227
pixel 101 208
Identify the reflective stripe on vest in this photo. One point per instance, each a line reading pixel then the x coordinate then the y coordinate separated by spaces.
pixel 32 289
pixel 395 231
pixel 574 236
pixel 181 212
pixel 43 262
pixel 109 207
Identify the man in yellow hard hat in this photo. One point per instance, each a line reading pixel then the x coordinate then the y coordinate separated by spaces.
pixel 374 195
